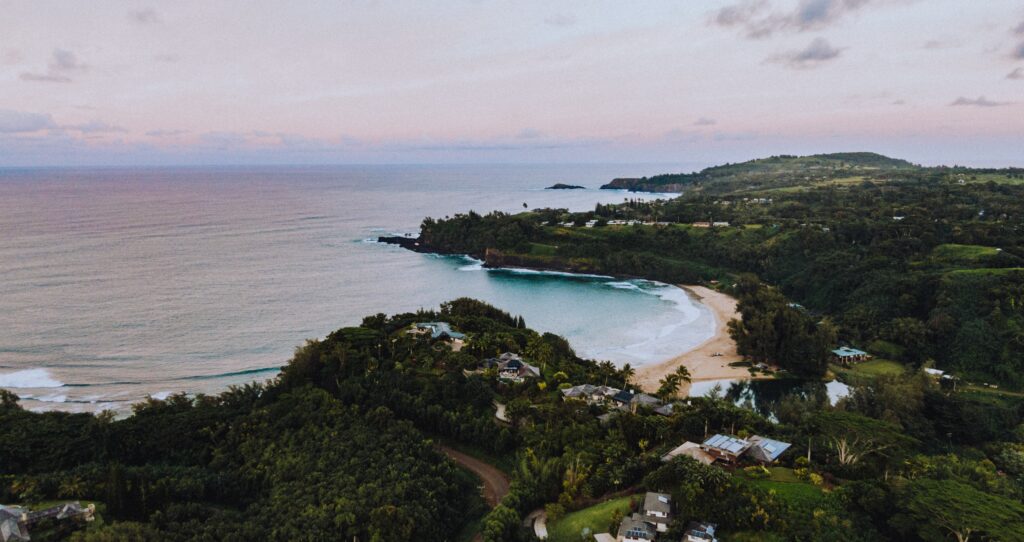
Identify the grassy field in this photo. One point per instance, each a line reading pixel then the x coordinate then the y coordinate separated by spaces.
pixel 596 518
pixel 786 485
pixel 962 254
pixel 869 369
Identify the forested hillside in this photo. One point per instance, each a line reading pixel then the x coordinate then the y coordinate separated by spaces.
pixel 341 446
pixel 910 263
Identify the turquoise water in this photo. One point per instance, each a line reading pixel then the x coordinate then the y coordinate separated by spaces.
pixel 118 283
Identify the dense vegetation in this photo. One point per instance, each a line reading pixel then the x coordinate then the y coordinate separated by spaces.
pixel 910 263
pixel 340 446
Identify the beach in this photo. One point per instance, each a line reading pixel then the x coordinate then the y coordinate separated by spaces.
pixel 701 362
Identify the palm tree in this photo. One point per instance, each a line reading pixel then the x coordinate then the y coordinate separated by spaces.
pixel 683 373
pixel 628 372
pixel 669 386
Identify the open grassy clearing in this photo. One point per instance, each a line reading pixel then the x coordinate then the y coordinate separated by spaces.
pixel 597 518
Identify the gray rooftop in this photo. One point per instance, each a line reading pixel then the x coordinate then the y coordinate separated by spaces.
pixel 657 502
pixel 766 449
pixel 726 443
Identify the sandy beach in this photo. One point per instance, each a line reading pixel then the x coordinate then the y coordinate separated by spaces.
pixel 700 360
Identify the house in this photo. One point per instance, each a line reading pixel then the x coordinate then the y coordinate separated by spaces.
pixel 689 449
pixel 720 224
pixel 725 447
pixel 658 510
pixel 765 450
pixel 635 529
pixel 699 531
pixel 847 355
pixel 593 395
pixel 627 400
pixel 438 330
pixel 701 224
pixel 13 521
pixel 511 367
pixel 666 410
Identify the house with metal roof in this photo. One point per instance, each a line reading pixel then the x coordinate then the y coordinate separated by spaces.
pixel 765 450
pixel 13 520
pixel 658 510
pixel 699 531
pixel 439 330
pixel 636 529
pixel 725 447
pixel 847 355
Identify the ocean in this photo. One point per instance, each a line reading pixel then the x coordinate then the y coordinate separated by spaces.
pixel 118 284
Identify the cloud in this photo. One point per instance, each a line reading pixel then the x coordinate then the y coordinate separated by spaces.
pixel 62 65
pixel 704 121
pixel 144 16
pixel 1018 51
pixel 1016 74
pixel 17 122
pixel 561 19
pixel 816 53
pixel 166 57
pixel 755 17
pixel 980 101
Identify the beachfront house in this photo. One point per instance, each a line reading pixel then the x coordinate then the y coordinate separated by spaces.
pixel 591 394
pixel 438 330
pixel 846 355
pixel 689 449
pixel 725 448
pixel 700 531
pixel 635 529
pixel 765 450
pixel 658 510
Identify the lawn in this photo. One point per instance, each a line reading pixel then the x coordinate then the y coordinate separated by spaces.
pixel 596 518
pixel 786 485
pixel 870 369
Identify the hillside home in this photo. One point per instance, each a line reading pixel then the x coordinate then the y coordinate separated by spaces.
pixel 725 448
pixel 593 395
pixel 689 449
pixel 438 330
pixel 658 510
pixel 765 450
pixel 511 367
pixel 636 529
pixel 699 531
pixel 846 355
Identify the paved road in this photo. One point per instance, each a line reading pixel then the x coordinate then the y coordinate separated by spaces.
pixel 538 519
pixel 495 481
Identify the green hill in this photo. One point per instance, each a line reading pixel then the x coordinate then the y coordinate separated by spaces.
pixel 771 172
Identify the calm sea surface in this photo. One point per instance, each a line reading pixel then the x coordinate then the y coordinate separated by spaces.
pixel 116 284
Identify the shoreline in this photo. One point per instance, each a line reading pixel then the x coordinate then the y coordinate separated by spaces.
pixel 699 360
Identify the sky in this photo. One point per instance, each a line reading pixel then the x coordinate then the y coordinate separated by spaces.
pixel 304 82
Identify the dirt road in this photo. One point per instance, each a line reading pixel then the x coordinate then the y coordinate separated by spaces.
pixel 495 481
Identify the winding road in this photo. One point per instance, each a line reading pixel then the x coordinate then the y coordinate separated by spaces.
pixel 495 482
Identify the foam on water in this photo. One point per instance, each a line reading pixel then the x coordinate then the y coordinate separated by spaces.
pixel 29 378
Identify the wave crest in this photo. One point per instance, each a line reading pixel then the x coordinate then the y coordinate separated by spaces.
pixel 29 378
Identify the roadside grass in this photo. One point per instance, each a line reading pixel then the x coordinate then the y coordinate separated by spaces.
pixel 786 486
pixel 596 518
